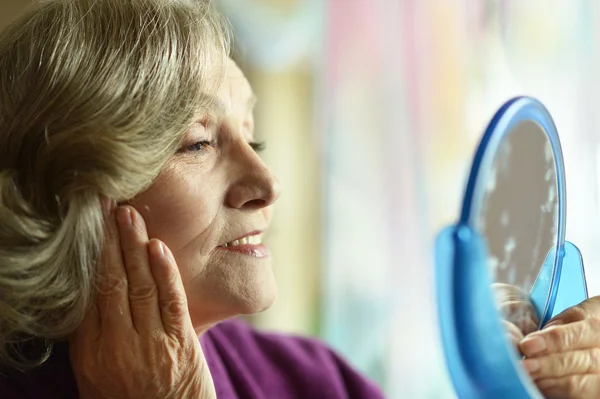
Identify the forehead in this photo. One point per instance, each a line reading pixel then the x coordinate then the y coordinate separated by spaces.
pixel 235 87
pixel 233 97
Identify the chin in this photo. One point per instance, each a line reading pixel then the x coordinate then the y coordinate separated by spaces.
pixel 221 305
pixel 258 300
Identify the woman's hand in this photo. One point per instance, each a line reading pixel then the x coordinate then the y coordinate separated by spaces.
pixel 564 357
pixel 138 340
pixel 518 314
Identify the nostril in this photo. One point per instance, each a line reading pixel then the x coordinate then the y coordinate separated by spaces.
pixel 256 204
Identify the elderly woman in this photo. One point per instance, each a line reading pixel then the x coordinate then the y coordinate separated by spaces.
pixel 132 206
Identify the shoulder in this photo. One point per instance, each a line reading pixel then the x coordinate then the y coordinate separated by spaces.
pixel 240 333
pixel 306 363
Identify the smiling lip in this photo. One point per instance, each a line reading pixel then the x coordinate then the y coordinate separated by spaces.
pixel 252 233
pixel 255 250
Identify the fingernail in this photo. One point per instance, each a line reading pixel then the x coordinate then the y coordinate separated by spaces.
pixel 532 346
pixel 124 216
pixel 531 365
pixel 168 254
pixel 163 249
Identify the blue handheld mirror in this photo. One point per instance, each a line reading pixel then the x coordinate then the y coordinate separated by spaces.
pixel 504 269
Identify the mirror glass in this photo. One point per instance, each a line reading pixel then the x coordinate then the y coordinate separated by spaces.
pixel 518 216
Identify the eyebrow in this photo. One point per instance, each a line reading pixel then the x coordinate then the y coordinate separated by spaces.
pixel 217 105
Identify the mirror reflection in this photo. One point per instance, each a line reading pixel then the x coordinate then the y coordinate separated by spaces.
pixel 518 216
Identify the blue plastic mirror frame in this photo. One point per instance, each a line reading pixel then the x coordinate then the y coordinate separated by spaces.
pixel 481 362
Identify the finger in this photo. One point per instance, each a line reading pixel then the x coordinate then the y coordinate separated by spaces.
pixel 513 310
pixel 507 292
pixel 580 386
pixel 562 338
pixel 171 293
pixel 143 297
pixel 585 361
pixel 571 315
pixel 514 335
pixel 112 296
pixel 512 329
pixel 526 325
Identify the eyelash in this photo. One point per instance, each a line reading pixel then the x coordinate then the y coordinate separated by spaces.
pixel 200 145
pixel 258 146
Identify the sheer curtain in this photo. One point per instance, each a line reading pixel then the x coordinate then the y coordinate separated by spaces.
pixel 377 116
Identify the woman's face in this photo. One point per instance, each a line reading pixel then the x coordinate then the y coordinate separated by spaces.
pixel 211 206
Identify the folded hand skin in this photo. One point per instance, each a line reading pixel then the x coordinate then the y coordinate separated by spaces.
pixel 563 358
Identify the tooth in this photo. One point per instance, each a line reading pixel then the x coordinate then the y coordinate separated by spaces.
pixel 235 243
pixel 244 241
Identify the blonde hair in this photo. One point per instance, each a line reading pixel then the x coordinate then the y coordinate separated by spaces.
pixel 95 96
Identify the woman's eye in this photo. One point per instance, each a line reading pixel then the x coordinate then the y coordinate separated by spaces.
pixel 199 146
pixel 258 146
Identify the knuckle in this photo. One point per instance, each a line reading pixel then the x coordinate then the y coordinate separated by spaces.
pixel 594 323
pixel 133 253
pixel 142 294
pixel 176 308
pixel 576 313
pixel 557 337
pixel 111 284
pixel 565 337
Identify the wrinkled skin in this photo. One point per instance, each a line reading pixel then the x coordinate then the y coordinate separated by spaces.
pixel 563 358
pixel 138 341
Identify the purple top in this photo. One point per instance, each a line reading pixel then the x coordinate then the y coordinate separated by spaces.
pixel 244 363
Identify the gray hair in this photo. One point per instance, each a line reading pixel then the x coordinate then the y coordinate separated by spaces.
pixel 95 97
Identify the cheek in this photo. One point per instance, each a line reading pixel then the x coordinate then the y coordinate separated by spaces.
pixel 268 213
pixel 178 212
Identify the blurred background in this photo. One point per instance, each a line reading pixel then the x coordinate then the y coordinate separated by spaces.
pixel 371 110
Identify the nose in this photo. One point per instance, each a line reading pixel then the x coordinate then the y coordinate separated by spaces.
pixel 255 186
